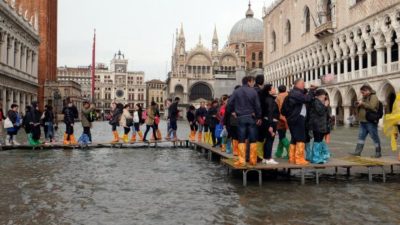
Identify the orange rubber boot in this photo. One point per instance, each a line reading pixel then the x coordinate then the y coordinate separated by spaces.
pixel 116 137
pixel 65 142
pixel 72 139
pixel 159 136
pixel 253 154
pixel 133 139
pixel 125 138
pixel 242 155
pixel 235 144
pixel 292 153
pixel 300 154
pixel 140 135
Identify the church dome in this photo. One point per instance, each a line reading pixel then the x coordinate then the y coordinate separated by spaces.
pixel 248 29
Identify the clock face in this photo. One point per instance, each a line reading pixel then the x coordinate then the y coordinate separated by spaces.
pixel 120 68
pixel 119 93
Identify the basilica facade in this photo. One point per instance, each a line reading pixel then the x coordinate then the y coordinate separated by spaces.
pixel 338 45
pixel 202 74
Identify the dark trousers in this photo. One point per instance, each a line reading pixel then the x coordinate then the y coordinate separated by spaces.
pixel 247 129
pixel 69 130
pixel 282 134
pixel 318 136
pixel 114 127
pixel 147 131
pixel 268 144
pixel 127 130
pixel 86 130
pixel 193 127
pixel 298 130
pixel 214 141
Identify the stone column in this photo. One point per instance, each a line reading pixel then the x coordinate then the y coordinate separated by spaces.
pixel 23 104
pixel 23 58
pixel 29 62
pixel 333 111
pixel 18 100
pixel 346 69
pixel 360 64
pixel 389 56
pixel 369 51
pixel 17 55
pixel 34 64
pixel 4 46
pixel 11 99
pixel 338 75
pixel 353 66
pixel 346 114
pixel 333 68
pixel 380 55
pixel 11 52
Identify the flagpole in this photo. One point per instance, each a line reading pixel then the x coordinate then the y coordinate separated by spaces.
pixel 93 68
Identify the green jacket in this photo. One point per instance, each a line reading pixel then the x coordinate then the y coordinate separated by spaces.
pixel 371 103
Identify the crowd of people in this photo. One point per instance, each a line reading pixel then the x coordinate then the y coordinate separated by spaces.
pixel 255 114
pixel 247 121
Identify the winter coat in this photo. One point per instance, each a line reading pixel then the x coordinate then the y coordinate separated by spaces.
pixel 212 120
pixel 126 115
pixel 70 114
pixel 319 117
pixel 48 116
pixel 190 116
pixel 173 112
pixel 270 110
pixel 151 115
pixel 245 101
pixel 85 113
pixel 370 103
pixel 116 116
pixel 13 116
pixel 298 100
pixel 282 124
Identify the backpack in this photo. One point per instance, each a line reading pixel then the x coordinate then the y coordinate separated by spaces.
pixel 91 117
pixel 144 115
pixel 286 107
pixel 374 117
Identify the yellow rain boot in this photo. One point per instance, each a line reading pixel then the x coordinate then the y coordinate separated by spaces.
pixel 133 139
pixel 235 147
pixel 140 135
pixel 72 139
pixel 292 153
pixel 116 137
pixel 125 138
pixel 242 155
pixel 300 154
pixel 253 154
pixel 65 142
pixel 159 136
pixel 200 137
pixel 260 150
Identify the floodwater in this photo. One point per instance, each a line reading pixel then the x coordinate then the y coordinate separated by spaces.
pixel 179 186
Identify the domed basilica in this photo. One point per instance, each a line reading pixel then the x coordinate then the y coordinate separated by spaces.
pixel 203 74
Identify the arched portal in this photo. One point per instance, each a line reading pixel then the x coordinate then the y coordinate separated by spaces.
pixel 352 98
pixel 339 108
pixel 200 90
pixel 389 94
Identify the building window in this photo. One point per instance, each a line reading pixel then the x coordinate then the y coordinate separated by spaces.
pixel 273 41
pixel 253 56
pixel 307 19
pixel 329 10
pixel 260 56
pixel 288 32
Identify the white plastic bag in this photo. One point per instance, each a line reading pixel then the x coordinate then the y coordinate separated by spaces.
pixel 8 123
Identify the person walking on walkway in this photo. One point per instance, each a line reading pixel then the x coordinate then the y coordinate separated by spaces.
pixel 190 116
pixel 151 114
pixel 391 124
pixel 126 121
pixel 48 120
pixel 295 110
pixel 12 125
pixel 282 126
pixel 87 117
pixel 261 132
pixel 70 114
pixel 33 118
pixel 212 121
pixel 319 124
pixel 173 114
pixel 116 110
pixel 245 105
pixel 201 114
pixel 270 115
pixel 368 116
pixel 137 118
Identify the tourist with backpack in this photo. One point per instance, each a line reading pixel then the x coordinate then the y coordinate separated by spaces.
pixel 88 116
pixel 151 114
pixel 70 114
pixel 370 111
pixel 294 108
pixel 137 121
pixel 116 110
pixel 126 122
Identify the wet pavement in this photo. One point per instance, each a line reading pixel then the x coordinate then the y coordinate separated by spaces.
pixel 178 186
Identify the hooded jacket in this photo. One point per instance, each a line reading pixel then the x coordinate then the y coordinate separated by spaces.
pixel 70 114
pixel 298 100
pixel 319 117
pixel 371 103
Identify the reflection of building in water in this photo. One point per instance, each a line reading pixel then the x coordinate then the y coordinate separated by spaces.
pixel 340 45
pixel 119 84
pixel 202 74
pixel 19 48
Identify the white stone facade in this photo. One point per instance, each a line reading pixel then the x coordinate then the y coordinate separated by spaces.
pixel 19 44
pixel 338 45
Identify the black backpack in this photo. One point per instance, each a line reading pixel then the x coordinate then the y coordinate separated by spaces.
pixel 374 117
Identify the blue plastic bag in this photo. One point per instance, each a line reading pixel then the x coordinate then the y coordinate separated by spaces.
pixel 84 139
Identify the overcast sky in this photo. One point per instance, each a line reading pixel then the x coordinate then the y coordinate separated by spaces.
pixel 143 29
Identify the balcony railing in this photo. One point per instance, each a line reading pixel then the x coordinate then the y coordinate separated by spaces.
pixel 324 30
pixel 394 67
